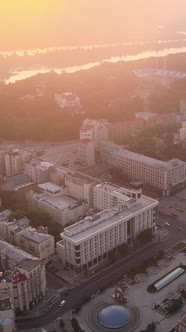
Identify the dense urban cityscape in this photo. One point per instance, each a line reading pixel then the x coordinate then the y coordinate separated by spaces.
pixel 92 166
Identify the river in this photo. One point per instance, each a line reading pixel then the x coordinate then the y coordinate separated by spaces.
pixel 23 74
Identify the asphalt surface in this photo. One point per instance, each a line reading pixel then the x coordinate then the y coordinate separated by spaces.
pixel 105 278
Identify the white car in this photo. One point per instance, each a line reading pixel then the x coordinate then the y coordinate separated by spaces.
pixel 62 303
pixel 167 224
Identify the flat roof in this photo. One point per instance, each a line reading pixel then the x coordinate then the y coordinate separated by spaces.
pixel 60 202
pixel 49 186
pixel 34 235
pixel 106 219
pixel 116 150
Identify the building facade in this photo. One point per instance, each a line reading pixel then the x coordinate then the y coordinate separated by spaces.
pixel 95 130
pixel 37 244
pixel 25 286
pixel 38 171
pixel 166 177
pixel 88 243
pixel 87 152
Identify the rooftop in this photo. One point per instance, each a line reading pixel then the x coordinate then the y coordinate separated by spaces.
pixel 115 151
pixel 40 164
pixel 28 264
pixel 33 235
pixel 60 202
pixel 5 214
pixel 105 219
pixel 16 181
pixel 49 186
pixel 15 253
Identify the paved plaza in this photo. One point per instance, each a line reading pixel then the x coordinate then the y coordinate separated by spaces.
pixel 138 297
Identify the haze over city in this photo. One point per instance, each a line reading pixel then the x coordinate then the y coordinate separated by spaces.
pixel 44 23
pixel 92 165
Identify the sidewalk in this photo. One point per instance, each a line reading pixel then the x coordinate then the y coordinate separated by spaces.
pixel 75 279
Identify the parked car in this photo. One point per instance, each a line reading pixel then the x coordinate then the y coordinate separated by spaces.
pixel 62 303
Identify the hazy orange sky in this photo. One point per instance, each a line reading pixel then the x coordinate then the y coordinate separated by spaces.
pixel 38 23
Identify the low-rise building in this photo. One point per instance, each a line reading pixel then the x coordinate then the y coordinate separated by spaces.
pixel 166 177
pixel 67 100
pixel 62 208
pixel 87 152
pixel 37 244
pixel 89 242
pixel 8 229
pixel 11 256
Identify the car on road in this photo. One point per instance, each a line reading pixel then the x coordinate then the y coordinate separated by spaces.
pixel 62 303
pixel 167 224
pixel 180 229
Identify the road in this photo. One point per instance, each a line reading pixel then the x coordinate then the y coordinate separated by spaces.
pixel 107 276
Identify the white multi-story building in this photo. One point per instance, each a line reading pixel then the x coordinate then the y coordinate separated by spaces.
pixel 80 186
pixel 67 99
pixel 165 177
pixel 54 200
pixel 89 242
pixel 25 286
pixel 37 244
pixel 95 130
pixel 7 315
pixel 107 196
pixel 38 171
pixel 87 152
pixel 15 160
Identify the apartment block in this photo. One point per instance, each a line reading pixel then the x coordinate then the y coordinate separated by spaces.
pixel 80 186
pixel 166 177
pixel 87 152
pixel 38 171
pixel 13 162
pixel 54 200
pixel 89 242
pixel 120 131
pixel 95 130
